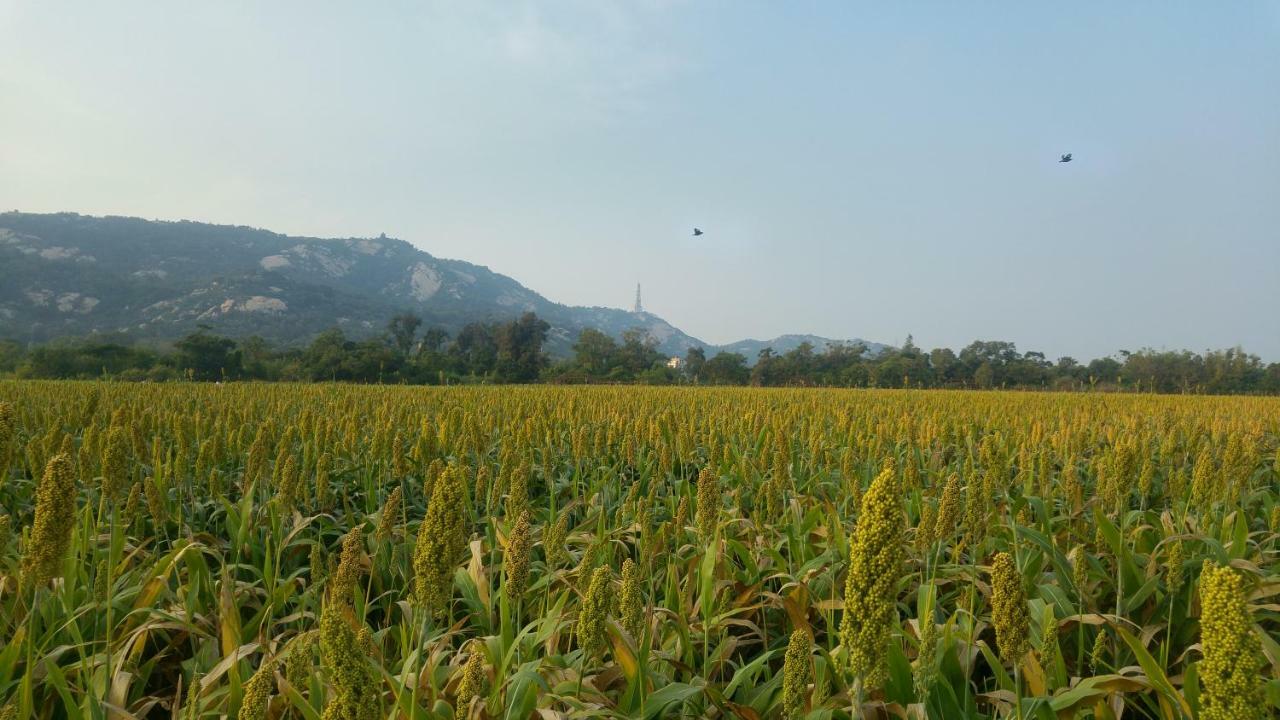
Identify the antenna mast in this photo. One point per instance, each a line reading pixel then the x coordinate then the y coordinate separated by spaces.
pixel 639 307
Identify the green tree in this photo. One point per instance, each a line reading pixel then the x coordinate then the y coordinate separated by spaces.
pixel 694 362
pixel 727 369
pixel 595 353
pixel 403 329
pixel 474 351
pixel 519 349
pixel 208 357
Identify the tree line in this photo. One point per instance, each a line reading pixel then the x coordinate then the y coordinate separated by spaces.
pixel 513 352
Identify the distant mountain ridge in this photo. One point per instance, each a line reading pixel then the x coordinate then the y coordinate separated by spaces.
pixel 786 343
pixel 66 274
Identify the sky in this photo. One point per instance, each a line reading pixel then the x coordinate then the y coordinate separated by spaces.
pixel 866 170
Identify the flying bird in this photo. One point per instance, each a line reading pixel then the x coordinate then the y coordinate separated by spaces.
pixel 1066 158
pixel 696 232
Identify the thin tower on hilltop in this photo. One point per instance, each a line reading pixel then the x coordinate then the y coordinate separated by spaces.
pixel 639 307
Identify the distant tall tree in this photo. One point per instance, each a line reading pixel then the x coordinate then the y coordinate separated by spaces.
pixel 474 350
pixel 433 339
pixel 325 357
pixel 764 371
pixel 595 352
pixel 943 361
pixel 257 358
pixel 519 344
pixel 694 362
pixel 727 369
pixel 208 357
pixel 639 351
pixel 403 329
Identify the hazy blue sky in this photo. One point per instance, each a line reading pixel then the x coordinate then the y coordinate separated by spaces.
pixel 860 170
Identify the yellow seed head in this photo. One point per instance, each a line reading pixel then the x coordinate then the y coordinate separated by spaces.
pixel 1048 640
pixel 795 676
pixel 594 613
pixel 948 508
pixel 518 490
pixel 155 499
pixel 354 685
pixel 315 563
pixel 925 672
pixel 389 518
pixel 682 516
pixel 1080 573
pixel 927 525
pixel 482 486
pixel 100 581
pixel 708 510
pixel 255 464
pixel 1099 651
pixel 55 516
pixel 346 578
pixel 324 493
pixel 114 462
pixel 875 563
pixel 516 560
pixel 1232 669
pixel 399 464
pixel 1009 609
pixel 1173 567
pixel 290 483
pixel 553 541
pixel 191 709
pixel 471 684
pixel 8 423
pixel 257 693
pixel 299 664
pixel 1203 479
pixel 631 601
pixel 441 539
pixel 134 502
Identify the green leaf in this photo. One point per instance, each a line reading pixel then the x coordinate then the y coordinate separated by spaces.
pixel 1155 673
pixel 658 701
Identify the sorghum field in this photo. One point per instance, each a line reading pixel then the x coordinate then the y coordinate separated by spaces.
pixel 320 551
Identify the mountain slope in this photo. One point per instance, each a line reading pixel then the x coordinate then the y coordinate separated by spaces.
pixel 74 275
pixel 69 275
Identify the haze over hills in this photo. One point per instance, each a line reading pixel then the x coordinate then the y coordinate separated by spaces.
pixel 69 275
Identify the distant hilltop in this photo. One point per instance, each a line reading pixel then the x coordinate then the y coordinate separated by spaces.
pixel 69 275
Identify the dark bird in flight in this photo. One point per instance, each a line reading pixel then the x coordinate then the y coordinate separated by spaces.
pixel 696 232
pixel 1066 158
